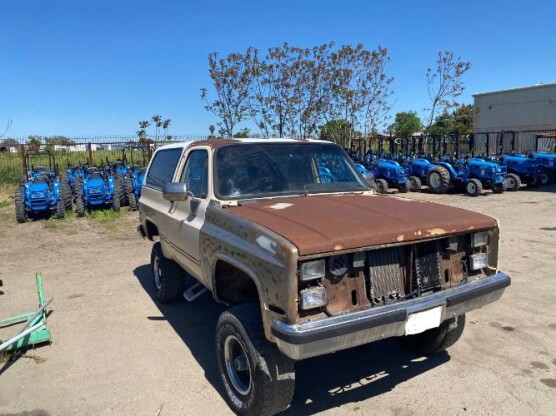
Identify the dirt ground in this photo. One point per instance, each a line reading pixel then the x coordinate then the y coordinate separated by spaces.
pixel 115 351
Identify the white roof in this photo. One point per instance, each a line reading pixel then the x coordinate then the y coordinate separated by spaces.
pixel 517 89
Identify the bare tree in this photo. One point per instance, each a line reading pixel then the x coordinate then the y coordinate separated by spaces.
pixel 360 86
pixel 444 84
pixel 232 77
pixel 8 125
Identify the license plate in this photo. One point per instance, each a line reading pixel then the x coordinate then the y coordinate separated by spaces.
pixel 421 321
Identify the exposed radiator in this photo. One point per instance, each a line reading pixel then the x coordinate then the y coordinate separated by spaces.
pixel 426 270
pixel 385 274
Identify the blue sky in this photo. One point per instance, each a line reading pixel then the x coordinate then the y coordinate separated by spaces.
pixel 98 67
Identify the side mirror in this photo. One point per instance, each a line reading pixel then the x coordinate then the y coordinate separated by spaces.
pixel 175 191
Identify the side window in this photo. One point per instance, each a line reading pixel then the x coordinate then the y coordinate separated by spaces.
pixel 163 167
pixel 195 173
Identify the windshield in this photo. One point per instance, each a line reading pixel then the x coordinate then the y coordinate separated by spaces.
pixel 258 170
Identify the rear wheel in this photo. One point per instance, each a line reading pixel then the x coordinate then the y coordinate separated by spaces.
pixel 437 339
pixel 544 178
pixel 438 180
pixel 258 379
pixel 415 184
pixel 117 198
pixel 60 208
pixel 65 193
pixel 20 214
pixel 474 187
pixel 79 206
pixel 167 276
pixel 513 182
pixel 381 186
pixel 130 196
pixel 77 187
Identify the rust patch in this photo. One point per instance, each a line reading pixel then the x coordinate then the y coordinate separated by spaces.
pixel 319 223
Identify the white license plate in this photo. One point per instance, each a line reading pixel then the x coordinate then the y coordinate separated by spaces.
pixel 421 321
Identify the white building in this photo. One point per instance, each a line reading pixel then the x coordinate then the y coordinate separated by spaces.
pixel 522 113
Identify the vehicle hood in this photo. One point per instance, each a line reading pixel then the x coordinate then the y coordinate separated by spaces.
pixel 331 223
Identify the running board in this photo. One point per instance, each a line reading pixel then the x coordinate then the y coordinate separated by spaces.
pixel 194 292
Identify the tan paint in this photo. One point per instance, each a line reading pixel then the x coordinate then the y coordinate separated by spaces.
pixel 436 231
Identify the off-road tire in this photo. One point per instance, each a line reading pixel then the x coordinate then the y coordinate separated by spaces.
pixel 60 208
pixel 119 184
pixel 474 187
pixel 20 213
pixel 544 179
pixel 436 339
pixel 77 187
pixel 415 184
pixel 167 276
pixel 499 188
pixel 403 188
pixel 533 182
pixel 79 206
pixel 129 195
pixel 438 180
pixel 271 373
pixel 117 198
pixel 65 193
pixel 381 186
pixel 513 182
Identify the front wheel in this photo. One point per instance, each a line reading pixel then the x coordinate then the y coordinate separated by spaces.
pixel 258 379
pixel 381 186
pixel 167 276
pixel 544 178
pixel 436 339
pixel 20 213
pixel 403 187
pixel 513 182
pixel 499 188
pixel 60 208
pixel 474 187
pixel 415 184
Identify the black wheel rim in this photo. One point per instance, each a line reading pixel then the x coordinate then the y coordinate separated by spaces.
pixel 238 368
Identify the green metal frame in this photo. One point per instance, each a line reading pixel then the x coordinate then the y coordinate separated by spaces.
pixel 42 334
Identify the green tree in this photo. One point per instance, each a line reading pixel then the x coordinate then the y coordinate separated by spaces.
pixel 34 141
pixel 406 123
pixel 459 121
pixel 58 141
pixel 444 84
pixel 338 131
pixel 10 142
pixel 243 133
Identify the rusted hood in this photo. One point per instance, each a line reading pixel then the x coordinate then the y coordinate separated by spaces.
pixel 327 223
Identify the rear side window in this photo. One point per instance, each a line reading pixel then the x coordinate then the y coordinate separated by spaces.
pixel 163 167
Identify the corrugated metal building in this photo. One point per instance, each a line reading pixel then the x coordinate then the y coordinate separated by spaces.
pixel 519 114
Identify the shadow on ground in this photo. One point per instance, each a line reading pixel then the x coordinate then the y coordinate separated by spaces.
pixel 322 382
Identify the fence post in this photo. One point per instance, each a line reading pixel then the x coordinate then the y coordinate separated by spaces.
pixel 22 155
pixel 90 153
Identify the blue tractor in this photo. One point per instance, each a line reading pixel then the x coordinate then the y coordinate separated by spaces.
pixel 133 180
pixel 75 175
pixel 473 175
pixel 97 189
pixel 520 169
pixel 40 190
pixel 547 160
pixel 390 173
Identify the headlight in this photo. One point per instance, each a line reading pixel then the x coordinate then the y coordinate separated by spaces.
pixel 479 239
pixel 479 261
pixel 312 270
pixel 314 297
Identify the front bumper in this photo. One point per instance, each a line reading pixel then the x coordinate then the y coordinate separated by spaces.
pixel 337 333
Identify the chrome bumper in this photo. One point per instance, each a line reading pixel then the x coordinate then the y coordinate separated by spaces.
pixel 337 333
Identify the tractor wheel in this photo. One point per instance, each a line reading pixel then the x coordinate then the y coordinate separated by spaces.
pixel 167 276
pixel 257 378
pixel 381 186
pixel 544 178
pixel 414 184
pixel 65 193
pixel 79 206
pixel 513 182
pixel 499 188
pixel 77 188
pixel 533 182
pixel 436 339
pixel 438 180
pixel 132 201
pixel 403 188
pixel 117 198
pixel 119 184
pixel 474 187
pixel 60 208
pixel 20 214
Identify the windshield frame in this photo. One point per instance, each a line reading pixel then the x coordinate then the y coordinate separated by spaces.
pixel 350 165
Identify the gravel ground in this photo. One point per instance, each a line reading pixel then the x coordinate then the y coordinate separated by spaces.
pixel 115 351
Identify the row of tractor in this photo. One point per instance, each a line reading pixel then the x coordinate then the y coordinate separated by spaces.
pixel 46 190
pixel 452 172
